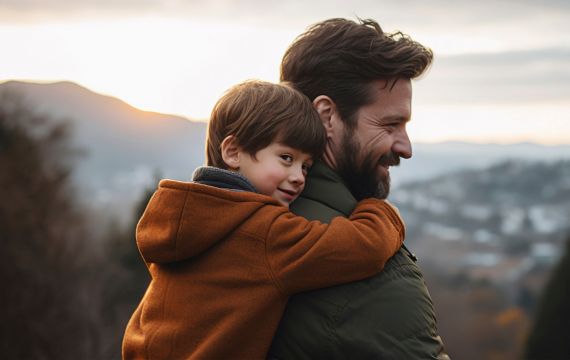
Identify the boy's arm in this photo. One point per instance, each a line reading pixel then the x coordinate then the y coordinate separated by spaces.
pixel 305 255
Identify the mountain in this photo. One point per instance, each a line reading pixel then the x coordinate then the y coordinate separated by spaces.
pixel 494 223
pixel 124 147
pixel 431 160
pixel 487 221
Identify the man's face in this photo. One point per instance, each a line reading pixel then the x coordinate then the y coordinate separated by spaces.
pixel 377 142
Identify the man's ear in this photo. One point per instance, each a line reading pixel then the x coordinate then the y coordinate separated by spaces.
pixel 326 108
pixel 231 152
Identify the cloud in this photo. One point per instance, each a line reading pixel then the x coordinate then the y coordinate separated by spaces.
pixel 58 6
pixel 34 11
pixel 448 26
pixel 407 12
pixel 509 51
pixel 540 75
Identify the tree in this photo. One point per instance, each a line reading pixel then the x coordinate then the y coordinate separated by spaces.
pixel 550 335
pixel 48 308
pixel 127 277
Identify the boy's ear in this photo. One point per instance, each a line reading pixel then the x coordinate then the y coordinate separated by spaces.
pixel 326 108
pixel 231 152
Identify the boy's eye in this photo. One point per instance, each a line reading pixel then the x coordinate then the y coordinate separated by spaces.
pixel 287 157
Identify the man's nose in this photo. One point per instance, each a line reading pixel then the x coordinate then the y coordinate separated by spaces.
pixel 402 145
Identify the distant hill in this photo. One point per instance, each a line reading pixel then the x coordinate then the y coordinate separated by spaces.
pixel 431 160
pixel 512 210
pixel 125 146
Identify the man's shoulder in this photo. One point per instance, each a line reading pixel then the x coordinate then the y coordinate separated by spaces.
pixel 382 316
pixel 314 210
pixel 389 315
pixel 400 270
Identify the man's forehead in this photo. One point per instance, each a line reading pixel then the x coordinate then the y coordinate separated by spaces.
pixel 390 103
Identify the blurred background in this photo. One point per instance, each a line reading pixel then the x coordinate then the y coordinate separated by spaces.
pixel 100 99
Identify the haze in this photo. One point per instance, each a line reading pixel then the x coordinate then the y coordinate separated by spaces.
pixel 501 72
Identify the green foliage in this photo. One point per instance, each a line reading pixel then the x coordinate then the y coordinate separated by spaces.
pixel 550 336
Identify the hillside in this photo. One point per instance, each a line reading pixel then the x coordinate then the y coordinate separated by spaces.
pixel 124 147
pixel 493 223
pixel 487 221
pixel 432 160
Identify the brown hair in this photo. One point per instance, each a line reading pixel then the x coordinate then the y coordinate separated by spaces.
pixel 258 113
pixel 340 58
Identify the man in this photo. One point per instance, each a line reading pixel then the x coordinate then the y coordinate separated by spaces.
pixel 359 79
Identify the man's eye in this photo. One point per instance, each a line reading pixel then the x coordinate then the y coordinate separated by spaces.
pixel 287 157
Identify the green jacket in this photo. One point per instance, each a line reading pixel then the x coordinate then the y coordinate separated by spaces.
pixel 388 316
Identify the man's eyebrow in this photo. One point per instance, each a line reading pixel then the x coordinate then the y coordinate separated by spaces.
pixel 398 118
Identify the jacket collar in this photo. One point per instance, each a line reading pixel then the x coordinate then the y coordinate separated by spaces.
pixel 325 186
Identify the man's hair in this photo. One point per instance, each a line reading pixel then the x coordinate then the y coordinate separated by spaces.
pixel 341 58
pixel 258 113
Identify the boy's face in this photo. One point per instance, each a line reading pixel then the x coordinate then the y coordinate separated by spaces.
pixel 277 170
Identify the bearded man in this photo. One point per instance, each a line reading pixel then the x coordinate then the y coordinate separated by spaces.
pixel 360 82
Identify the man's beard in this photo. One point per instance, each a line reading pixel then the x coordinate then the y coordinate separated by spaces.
pixel 362 177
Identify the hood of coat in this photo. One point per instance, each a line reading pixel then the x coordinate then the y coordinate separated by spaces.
pixel 184 219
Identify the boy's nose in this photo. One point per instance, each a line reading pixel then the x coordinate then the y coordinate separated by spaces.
pixel 296 176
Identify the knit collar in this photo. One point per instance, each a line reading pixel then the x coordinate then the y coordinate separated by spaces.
pixel 323 185
pixel 225 179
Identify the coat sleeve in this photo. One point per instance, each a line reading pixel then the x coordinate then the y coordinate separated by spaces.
pixel 305 255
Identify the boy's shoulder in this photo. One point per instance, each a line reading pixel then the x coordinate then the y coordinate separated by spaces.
pixel 192 188
pixel 179 210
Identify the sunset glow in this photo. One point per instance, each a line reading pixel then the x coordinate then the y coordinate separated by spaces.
pixel 181 62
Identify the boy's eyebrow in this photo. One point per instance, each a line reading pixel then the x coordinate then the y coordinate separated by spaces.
pixel 284 145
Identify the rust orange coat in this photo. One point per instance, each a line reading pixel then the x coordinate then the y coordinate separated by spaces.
pixel 223 264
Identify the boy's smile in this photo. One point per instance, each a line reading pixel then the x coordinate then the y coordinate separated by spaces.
pixel 276 170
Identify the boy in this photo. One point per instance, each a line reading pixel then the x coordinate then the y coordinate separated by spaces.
pixel 225 253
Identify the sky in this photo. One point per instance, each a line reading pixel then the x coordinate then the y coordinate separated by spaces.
pixel 501 72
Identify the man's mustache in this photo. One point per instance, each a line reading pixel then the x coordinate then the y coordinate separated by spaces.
pixel 389 159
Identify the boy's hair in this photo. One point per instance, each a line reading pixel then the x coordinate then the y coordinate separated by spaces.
pixel 340 58
pixel 259 113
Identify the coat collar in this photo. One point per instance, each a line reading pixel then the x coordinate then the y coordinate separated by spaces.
pixel 325 186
